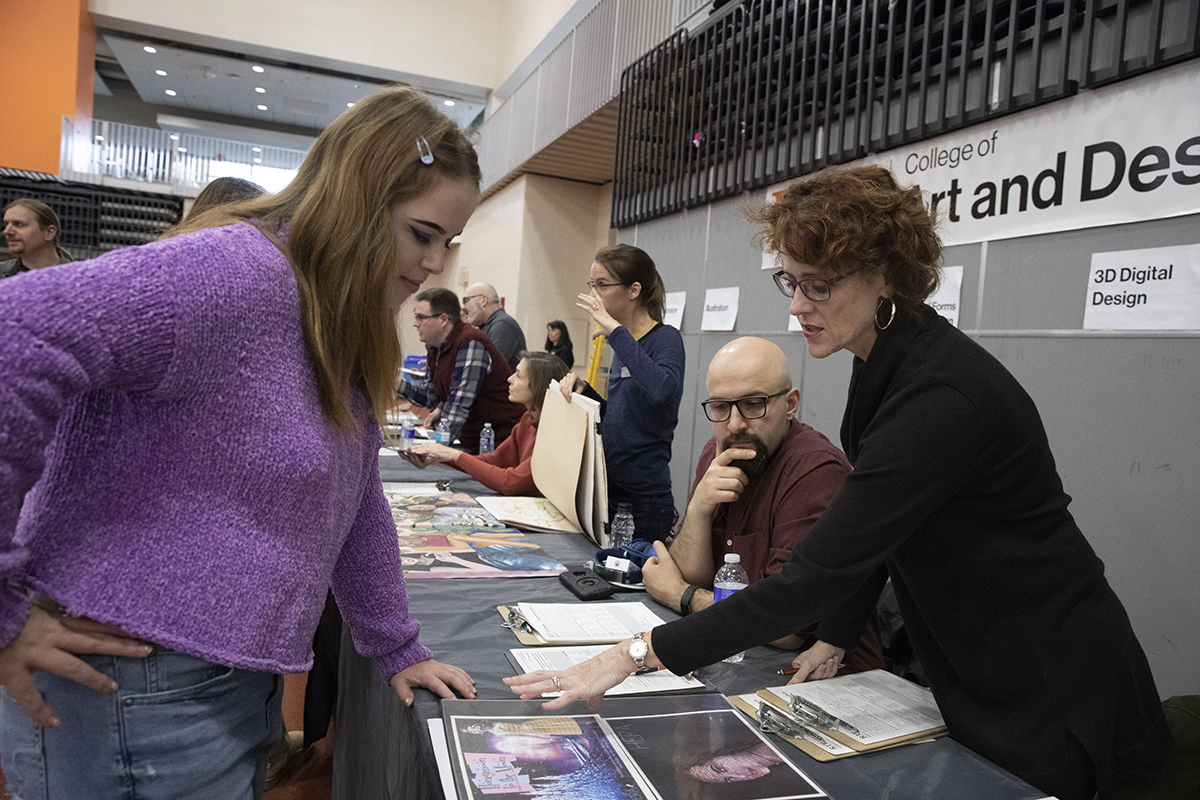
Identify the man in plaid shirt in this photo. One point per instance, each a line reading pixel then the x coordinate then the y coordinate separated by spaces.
pixel 467 380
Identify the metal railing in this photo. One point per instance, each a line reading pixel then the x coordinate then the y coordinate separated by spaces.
pixel 184 161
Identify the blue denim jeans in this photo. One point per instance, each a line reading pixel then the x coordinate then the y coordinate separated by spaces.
pixel 178 727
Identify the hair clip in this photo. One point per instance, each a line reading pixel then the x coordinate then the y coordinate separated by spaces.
pixel 426 152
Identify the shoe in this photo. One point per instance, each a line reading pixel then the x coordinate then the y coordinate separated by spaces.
pixel 287 754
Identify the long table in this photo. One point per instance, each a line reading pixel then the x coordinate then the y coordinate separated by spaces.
pixel 383 749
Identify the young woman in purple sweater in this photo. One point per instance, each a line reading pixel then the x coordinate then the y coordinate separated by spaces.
pixel 188 441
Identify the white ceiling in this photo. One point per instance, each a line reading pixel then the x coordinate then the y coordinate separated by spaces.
pixel 228 85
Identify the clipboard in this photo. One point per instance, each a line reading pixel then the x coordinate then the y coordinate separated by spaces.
pixel 527 638
pixel 924 734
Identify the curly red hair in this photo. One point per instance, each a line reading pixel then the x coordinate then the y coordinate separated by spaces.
pixel 843 220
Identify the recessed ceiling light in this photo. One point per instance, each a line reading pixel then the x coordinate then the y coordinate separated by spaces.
pixel 149 49
pixel 99 138
pixel 174 137
pixel 261 107
pixel 260 90
pixel 349 105
pixel 161 72
pixel 448 102
pixel 171 92
pixel 256 149
pixel 181 149
pixel 257 68
pixel 258 161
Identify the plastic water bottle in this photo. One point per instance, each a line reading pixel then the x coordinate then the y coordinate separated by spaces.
pixel 408 435
pixel 621 528
pixel 487 439
pixel 730 578
pixel 442 433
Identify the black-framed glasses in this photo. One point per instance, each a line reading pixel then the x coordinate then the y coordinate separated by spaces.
pixel 598 285
pixel 753 407
pixel 815 289
pixel 422 317
pixel 470 297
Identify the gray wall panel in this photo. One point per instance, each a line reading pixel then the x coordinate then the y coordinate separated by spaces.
pixel 554 94
pixel 523 107
pixel 1040 282
pixel 592 67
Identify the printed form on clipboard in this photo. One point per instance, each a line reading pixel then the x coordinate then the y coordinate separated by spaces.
pixel 574 623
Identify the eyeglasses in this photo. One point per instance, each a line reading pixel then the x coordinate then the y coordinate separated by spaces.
pixel 469 298
pixel 815 289
pixel 422 317
pixel 598 285
pixel 754 407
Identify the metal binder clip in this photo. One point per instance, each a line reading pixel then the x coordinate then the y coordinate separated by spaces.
pixel 515 622
pixel 772 720
pixel 813 714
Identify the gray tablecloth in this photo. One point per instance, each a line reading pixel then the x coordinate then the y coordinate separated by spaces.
pixel 383 748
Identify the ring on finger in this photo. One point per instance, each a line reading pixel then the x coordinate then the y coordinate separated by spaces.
pixel 557 685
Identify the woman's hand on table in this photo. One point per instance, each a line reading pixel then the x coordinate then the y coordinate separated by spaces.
pixel 818 662
pixel 49 642
pixel 444 680
pixel 426 453
pixel 594 306
pixel 589 679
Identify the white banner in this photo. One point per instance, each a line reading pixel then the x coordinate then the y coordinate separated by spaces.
pixel 1122 153
pixel 1144 290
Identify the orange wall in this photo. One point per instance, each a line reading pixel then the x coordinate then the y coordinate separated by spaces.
pixel 47 58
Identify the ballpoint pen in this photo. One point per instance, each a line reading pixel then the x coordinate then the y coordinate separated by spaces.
pixel 794 670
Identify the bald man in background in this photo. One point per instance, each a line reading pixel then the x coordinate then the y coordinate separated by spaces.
pixel 761 483
pixel 482 304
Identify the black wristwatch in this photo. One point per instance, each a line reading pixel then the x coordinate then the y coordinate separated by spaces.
pixel 685 601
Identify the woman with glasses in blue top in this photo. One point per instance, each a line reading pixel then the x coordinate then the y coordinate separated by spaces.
pixel 954 495
pixel 645 383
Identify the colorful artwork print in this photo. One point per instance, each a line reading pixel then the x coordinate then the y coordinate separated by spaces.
pixel 462 553
pixel 715 755
pixel 438 512
pixel 548 758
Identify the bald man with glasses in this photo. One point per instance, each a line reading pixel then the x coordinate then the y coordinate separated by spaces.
pixel 482 304
pixel 761 483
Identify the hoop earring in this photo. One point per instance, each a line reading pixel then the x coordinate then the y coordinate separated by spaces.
pixel 891 316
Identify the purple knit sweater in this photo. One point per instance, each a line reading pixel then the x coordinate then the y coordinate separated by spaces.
pixel 188 489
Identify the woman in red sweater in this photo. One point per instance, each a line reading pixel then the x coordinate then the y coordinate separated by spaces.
pixel 509 470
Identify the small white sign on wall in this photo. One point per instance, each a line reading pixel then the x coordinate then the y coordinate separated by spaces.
pixel 1156 289
pixel 720 309
pixel 673 311
pixel 947 300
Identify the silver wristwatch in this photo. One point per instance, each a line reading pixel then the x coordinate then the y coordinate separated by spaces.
pixel 638 650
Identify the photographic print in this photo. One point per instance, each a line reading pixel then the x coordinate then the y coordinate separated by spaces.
pixel 548 758
pixel 709 755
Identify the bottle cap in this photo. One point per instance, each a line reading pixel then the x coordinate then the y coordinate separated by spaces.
pixel 733 558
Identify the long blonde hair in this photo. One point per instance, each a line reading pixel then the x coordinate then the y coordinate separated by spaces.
pixel 336 219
